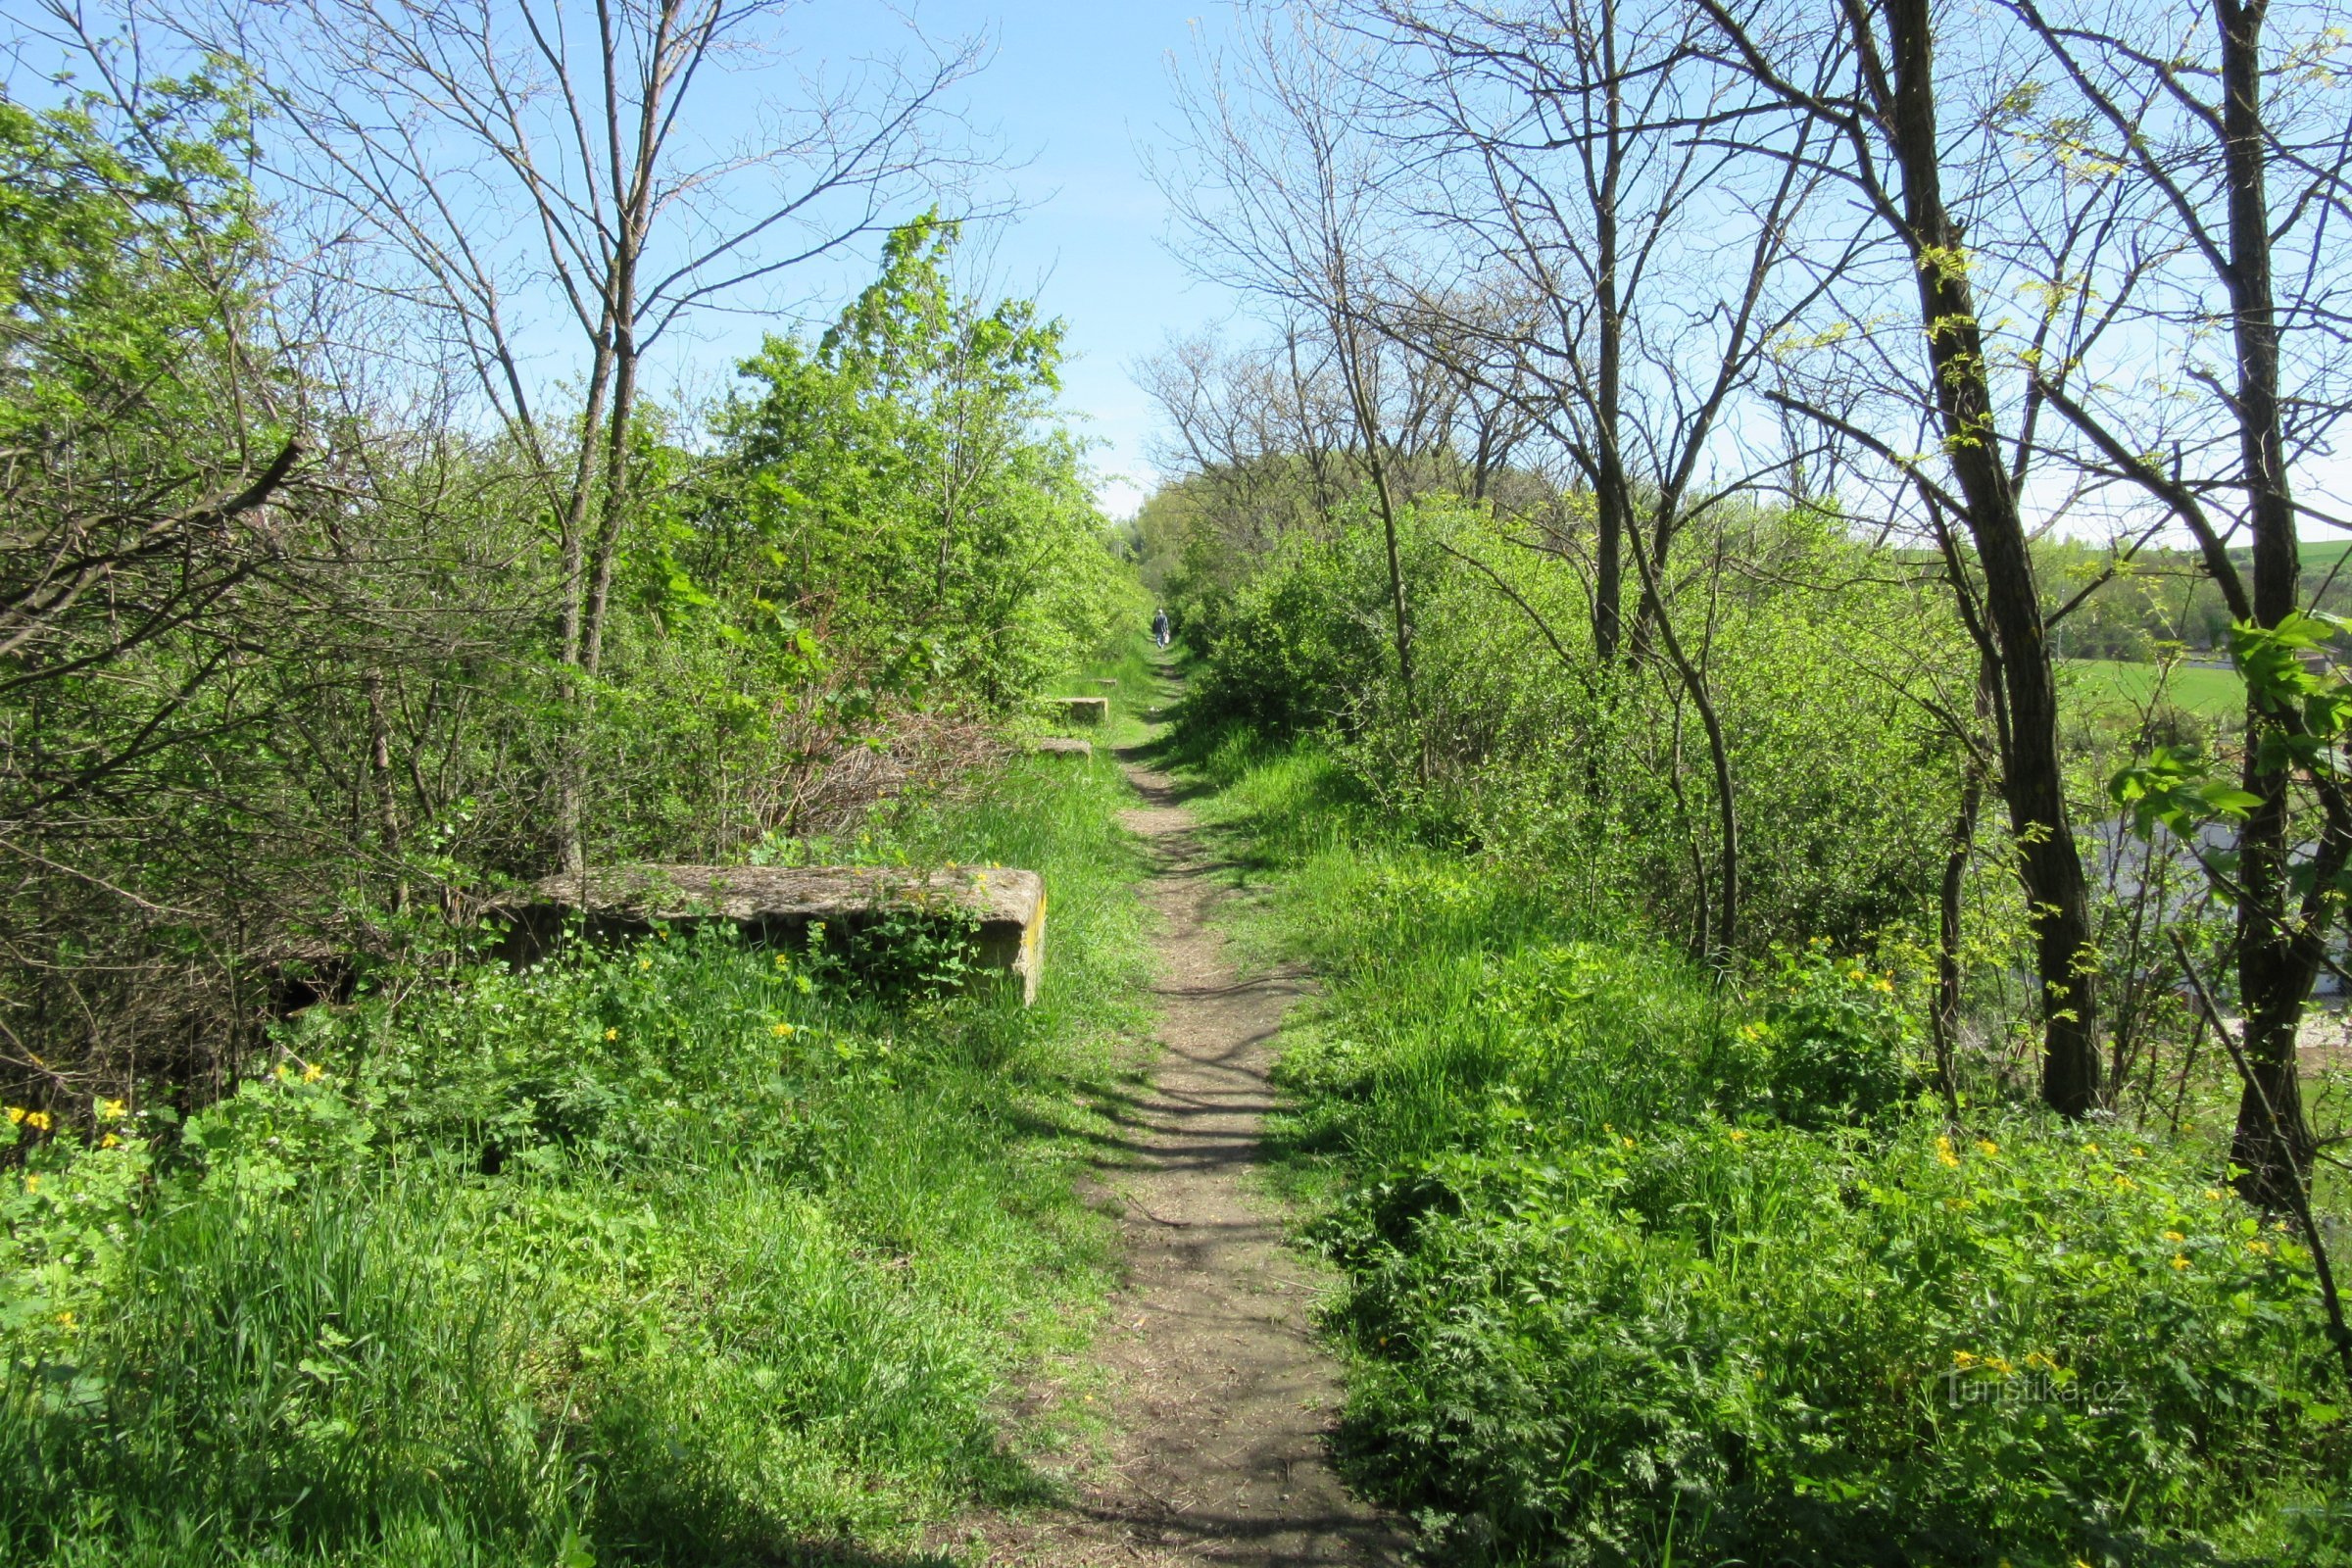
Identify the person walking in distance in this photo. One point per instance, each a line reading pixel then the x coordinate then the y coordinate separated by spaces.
pixel 1159 627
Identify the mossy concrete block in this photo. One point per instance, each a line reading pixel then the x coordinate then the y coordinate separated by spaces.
pixel 1061 746
pixel 1081 709
pixel 777 906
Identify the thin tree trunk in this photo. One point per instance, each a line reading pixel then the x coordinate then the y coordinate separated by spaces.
pixel 1944 1019
pixel 2033 783
pixel 2278 958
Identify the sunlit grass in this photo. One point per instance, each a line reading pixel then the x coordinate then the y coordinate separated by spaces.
pixel 654 1256
pixel 1626 1285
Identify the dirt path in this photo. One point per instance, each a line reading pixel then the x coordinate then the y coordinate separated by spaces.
pixel 1222 1394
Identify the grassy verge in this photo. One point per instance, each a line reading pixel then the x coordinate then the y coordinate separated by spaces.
pixel 680 1253
pixel 1639 1270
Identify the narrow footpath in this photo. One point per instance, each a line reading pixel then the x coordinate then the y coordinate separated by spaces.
pixel 1223 1396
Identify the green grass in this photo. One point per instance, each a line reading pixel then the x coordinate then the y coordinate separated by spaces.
pixel 676 1253
pixel 2122 689
pixel 1645 1270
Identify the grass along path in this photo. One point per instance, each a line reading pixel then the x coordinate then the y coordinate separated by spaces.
pixel 1641 1270
pixel 678 1254
pixel 1223 1390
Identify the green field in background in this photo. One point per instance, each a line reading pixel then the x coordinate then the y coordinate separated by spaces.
pixel 2117 684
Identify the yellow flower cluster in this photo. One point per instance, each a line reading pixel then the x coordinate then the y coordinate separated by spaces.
pixel 38 1120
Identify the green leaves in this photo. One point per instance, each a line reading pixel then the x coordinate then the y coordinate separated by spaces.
pixel 2175 789
pixel 2275 662
pixel 2299 709
pixel 904 468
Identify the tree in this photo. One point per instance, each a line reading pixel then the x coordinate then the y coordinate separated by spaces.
pixel 901 473
pixel 1869 81
pixel 431 126
pixel 1280 188
pixel 2202 113
pixel 1627 280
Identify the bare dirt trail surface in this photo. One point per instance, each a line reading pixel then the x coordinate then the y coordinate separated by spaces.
pixel 1221 1394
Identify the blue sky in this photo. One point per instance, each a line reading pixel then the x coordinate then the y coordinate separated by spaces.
pixel 1072 93
pixel 1076 90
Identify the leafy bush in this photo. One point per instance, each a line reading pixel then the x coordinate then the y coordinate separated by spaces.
pixel 1644 1269
pixel 1832 1044
pixel 1297 647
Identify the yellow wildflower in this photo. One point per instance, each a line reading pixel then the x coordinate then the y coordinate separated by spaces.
pixel 17 1113
pixel 2175 1236
pixel 1962 1358
pixel 33 1181
pixel 1943 1150
pixel 110 1140
pixel 2091 1148
pixel 784 1031
pixel 2127 1183
pixel 2179 1261
pixel 313 1072
pixel 1986 1146
pixel 111 1110
pixel 645 963
pixel 1739 1135
pixel 1886 986
pixel 1627 1142
pixel 612 1034
pixel 38 1120
pixel 1994 1363
pixel 2041 1359
pixel 2259 1248
pixel 66 1319
pixel 2213 1194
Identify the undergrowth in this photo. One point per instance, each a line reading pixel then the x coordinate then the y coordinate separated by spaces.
pixel 678 1253
pixel 1641 1270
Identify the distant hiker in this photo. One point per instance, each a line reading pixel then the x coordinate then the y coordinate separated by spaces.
pixel 1159 627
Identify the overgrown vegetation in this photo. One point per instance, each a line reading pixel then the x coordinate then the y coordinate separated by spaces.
pixel 336 598
pixel 678 1253
pixel 308 652
pixel 1818 1068
pixel 1641 1268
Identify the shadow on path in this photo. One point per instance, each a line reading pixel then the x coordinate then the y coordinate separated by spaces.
pixel 1225 1398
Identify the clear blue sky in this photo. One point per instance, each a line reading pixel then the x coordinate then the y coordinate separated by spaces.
pixel 1076 91
pixel 1072 92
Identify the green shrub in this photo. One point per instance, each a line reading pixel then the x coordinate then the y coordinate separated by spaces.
pixel 1641 1267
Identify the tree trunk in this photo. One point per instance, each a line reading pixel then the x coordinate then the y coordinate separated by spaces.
pixel 2276 960
pixel 2033 783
